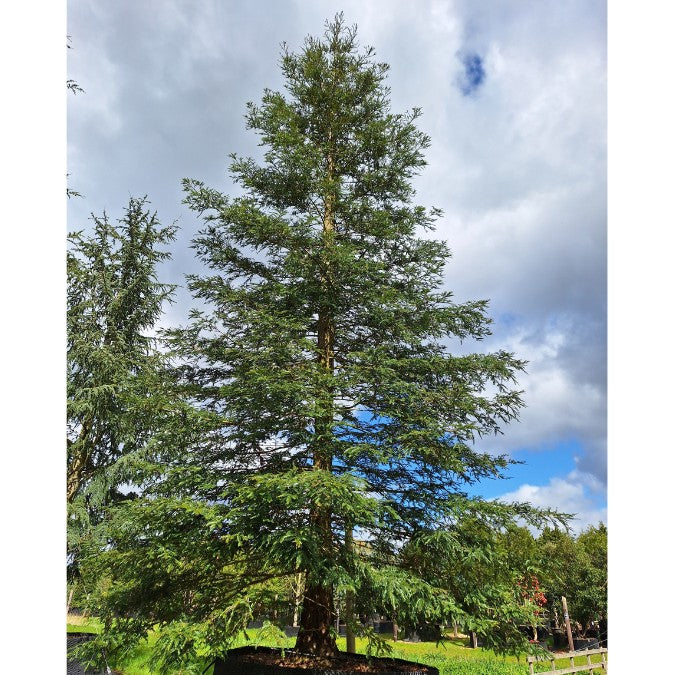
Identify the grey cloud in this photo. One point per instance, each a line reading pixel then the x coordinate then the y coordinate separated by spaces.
pixel 519 171
pixel 566 495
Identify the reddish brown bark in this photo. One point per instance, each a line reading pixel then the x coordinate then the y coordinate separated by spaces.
pixel 315 635
pixel 78 460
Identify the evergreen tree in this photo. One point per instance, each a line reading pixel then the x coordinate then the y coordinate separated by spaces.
pixel 577 569
pixel 591 589
pixel 331 402
pixel 113 366
pixel 476 565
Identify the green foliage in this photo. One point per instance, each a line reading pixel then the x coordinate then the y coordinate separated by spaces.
pixel 116 394
pixel 324 399
pixel 450 656
pixel 576 569
pixel 591 596
pixel 74 87
pixel 480 572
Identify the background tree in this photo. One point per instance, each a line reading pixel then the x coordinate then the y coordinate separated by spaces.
pixel 323 352
pixel 114 371
pixel 522 555
pixel 482 576
pixel 71 84
pixel 577 569
pixel 591 596
pixel 74 87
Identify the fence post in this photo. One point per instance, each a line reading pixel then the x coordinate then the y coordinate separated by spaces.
pixel 589 667
pixel 570 641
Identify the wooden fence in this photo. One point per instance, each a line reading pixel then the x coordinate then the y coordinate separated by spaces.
pixel 586 667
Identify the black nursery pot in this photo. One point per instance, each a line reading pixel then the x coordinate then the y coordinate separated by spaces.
pixel 586 643
pixel 74 667
pixel 234 664
pixel 559 639
pixel 74 639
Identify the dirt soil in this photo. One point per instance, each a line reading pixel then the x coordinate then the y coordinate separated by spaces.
pixel 343 662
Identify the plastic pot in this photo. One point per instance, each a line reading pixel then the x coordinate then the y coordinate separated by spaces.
pixel 241 661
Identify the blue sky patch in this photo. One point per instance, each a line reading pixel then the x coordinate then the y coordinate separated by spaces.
pixel 538 469
pixel 473 75
pixel 496 182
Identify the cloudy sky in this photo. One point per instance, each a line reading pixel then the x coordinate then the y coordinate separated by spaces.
pixel 514 99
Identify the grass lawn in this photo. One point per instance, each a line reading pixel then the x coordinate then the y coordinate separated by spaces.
pixel 451 657
pixel 82 624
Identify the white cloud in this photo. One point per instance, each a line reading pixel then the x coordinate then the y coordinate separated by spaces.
pixel 519 169
pixel 563 392
pixel 568 495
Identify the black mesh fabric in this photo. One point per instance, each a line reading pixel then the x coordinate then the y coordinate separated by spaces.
pixel 73 666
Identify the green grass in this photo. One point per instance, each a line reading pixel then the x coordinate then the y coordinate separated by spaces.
pixel 83 624
pixel 451 656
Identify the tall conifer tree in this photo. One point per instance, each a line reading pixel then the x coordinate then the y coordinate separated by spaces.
pixel 114 300
pixel 331 402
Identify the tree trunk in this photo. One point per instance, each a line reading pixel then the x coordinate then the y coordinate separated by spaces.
pixel 570 640
pixel 556 621
pixel 349 600
pixel 70 597
pixel 297 593
pixel 78 457
pixel 351 638
pixel 315 635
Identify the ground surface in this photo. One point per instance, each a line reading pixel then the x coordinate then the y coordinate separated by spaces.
pixel 452 656
pixel 342 662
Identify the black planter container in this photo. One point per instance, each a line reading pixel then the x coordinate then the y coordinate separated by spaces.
pixel 559 638
pixel 233 665
pixel 411 636
pixel 74 667
pixel 586 643
pixel 429 632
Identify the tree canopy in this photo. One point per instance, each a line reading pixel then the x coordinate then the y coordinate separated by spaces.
pixel 113 366
pixel 577 569
pixel 333 430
